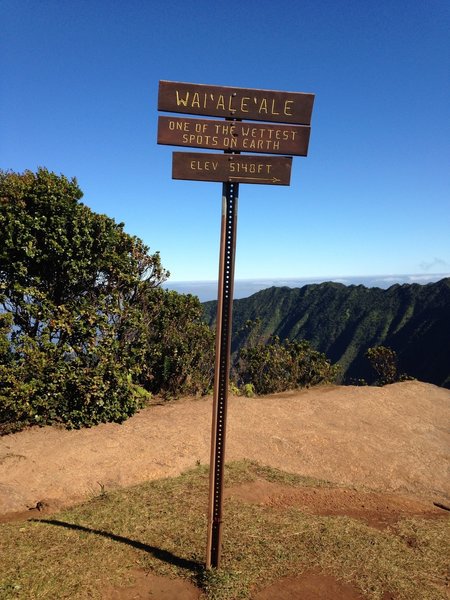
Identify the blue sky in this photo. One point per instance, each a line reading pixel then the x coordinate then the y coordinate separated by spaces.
pixel 79 90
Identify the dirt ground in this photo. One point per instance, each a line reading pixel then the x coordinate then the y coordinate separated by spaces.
pixel 312 585
pixel 394 441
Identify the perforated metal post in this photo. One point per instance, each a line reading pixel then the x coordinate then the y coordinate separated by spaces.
pixel 222 371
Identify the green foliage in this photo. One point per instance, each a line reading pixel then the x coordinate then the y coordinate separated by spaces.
pixel 248 390
pixel 278 366
pixel 5 327
pixel 233 388
pixel 358 382
pixel 384 362
pixel 71 334
pixel 343 321
pixel 179 346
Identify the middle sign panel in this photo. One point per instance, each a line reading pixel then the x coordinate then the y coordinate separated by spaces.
pixel 234 135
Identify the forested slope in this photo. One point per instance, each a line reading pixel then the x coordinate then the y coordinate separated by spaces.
pixel 344 321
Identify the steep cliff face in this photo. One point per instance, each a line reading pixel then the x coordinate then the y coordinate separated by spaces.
pixel 344 321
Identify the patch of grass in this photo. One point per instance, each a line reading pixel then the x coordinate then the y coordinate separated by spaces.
pixel 277 476
pixel 160 526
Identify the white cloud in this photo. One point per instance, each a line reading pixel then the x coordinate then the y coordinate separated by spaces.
pixel 437 264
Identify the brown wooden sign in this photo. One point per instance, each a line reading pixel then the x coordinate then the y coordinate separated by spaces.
pixel 232 168
pixel 235 102
pixel 234 135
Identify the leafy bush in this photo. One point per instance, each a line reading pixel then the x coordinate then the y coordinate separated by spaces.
pixel 85 330
pixel 278 366
pixel 384 362
pixel 248 390
pixel 179 346
pixel 71 336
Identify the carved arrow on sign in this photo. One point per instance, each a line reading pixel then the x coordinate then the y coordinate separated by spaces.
pixel 242 179
pixel 202 166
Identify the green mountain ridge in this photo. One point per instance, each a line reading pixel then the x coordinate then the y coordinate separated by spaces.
pixel 344 321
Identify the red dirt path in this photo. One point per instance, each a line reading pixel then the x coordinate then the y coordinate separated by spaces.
pixel 394 442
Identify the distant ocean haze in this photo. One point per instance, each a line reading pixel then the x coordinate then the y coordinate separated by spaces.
pixel 207 290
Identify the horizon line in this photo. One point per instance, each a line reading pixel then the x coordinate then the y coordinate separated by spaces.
pixel 324 277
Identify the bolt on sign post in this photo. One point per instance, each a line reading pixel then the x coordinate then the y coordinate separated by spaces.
pixel 265 122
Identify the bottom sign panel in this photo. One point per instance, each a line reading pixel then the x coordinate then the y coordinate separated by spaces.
pixel 229 168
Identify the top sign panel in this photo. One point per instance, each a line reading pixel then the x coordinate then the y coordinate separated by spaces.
pixel 237 103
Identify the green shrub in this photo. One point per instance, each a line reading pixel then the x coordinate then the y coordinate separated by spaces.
pixel 179 346
pixel 278 366
pixel 385 363
pixel 248 390
pixel 72 340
